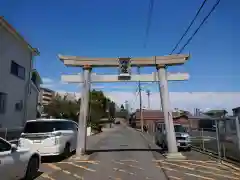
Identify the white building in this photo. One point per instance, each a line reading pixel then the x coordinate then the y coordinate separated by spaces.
pixel 17 90
pixel 45 96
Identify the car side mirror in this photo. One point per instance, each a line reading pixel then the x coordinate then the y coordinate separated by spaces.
pixel 13 147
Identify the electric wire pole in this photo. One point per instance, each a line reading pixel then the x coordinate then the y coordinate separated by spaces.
pixel 148 94
pixel 140 100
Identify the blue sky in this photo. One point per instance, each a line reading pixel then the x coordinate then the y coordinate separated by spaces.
pixel 107 28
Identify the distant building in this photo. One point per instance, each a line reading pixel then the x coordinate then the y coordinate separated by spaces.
pixel 16 83
pixel 216 113
pixel 45 96
pixel 236 111
pixel 151 117
pixel 68 96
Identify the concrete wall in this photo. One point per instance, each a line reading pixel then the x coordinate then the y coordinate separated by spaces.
pixel 16 88
pixel 32 103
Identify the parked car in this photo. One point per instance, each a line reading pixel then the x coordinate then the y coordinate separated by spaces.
pixel 50 137
pixel 182 136
pixel 17 163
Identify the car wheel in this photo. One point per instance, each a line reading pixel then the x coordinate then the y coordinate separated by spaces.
pixel 32 168
pixel 67 151
pixel 189 148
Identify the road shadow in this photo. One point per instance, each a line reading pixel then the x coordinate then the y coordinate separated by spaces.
pixel 91 151
pixel 39 173
pixel 55 159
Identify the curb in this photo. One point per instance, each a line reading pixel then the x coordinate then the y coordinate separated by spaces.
pixel 87 156
pixel 149 146
pixel 225 162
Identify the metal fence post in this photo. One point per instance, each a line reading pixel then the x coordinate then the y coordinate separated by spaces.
pixel 238 131
pixel 202 137
pixel 217 138
pixel 5 133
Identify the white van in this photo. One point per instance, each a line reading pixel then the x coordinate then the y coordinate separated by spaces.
pixel 182 136
pixel 50 136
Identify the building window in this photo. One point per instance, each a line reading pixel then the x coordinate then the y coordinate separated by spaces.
pixel 3 102
pixel 17 70
pixel 19 106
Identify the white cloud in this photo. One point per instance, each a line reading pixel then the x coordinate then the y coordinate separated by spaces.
pixel 181 100
pixel 47 80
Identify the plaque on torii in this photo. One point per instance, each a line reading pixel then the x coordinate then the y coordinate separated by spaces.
pixel 124 68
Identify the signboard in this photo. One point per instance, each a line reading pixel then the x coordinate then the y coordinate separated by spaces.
pixel 124 67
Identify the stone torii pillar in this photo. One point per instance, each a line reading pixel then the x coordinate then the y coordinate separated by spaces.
pixel 84 109
pixel 168 120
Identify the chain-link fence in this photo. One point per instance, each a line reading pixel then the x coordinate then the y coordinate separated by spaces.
pixel 11 134
pixel 221 136
pixel 223 139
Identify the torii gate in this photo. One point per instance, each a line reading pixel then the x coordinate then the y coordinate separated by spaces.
pixel 160 62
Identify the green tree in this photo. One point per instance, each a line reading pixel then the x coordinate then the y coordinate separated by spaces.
pixel 61 107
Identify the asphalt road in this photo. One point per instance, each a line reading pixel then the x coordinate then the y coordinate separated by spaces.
pixel 122 153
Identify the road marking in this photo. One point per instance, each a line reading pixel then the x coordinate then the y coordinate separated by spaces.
pixel 110 177
pixel 226 168
pixel 200 177
pixel 47 176
pixel 135 167
pixel 122 170
pixel 201 171
pixel 230 165
pixel 128 165
pixel 216 174
pixel 207 167
pixel 185 167
pixel 78 161
pixel 173 177
pixel 86 161
pixel 118 162
pixel 66 172
pixel 82 167
pixel 54 167
pixel 176 160
pixel 77 176
pixel 129 160
pixel 167 168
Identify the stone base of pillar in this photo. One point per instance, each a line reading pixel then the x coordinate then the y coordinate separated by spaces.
pixel 175 156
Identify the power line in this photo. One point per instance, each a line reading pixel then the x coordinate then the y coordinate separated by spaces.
pixel 190 25
pixel 199 27
pixel 149 21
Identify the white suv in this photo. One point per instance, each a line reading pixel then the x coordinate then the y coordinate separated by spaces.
pixel 50 136
pixel 17 163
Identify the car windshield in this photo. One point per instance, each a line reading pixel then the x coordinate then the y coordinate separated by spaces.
pixel 44 126
pixel 179 128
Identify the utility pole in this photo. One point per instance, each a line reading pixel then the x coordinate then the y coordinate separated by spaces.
pixel 148 94
pixel 140 99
